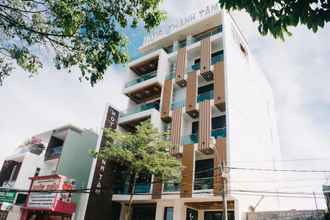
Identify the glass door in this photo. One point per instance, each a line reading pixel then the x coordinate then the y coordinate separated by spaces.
pixel 191 214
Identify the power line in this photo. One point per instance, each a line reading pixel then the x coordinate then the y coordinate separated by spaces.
pixel 279 170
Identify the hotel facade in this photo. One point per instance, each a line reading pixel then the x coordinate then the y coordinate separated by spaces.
pixel 197 80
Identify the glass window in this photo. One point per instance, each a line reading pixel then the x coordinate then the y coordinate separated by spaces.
pixel 168 213
pixel 203 174
pixel 216 215
pixel 206 88
pixel 219 122
pixel 21 198
pixel 191 214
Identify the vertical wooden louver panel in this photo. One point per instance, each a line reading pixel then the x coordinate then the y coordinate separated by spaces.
pixel 219 86
pixel 181 62
pixel 220 157
pixel 176 131
pixel 157 188
pixel 187 171
pixel 191 101
pixel 204 130
pixel 166 100
pixel 206 59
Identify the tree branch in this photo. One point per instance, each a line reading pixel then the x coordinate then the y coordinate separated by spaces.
pixel 21 10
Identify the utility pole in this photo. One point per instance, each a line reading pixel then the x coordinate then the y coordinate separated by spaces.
pixel 317 209
pixel 224 191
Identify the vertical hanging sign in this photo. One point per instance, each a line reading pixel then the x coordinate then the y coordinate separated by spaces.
pixel 99 198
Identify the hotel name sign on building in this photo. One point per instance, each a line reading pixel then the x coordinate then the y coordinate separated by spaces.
pixel 167 29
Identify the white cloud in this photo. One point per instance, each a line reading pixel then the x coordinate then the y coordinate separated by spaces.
pixel 52 99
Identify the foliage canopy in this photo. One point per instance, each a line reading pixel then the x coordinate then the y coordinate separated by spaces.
pixel 82 33
pixel 276 16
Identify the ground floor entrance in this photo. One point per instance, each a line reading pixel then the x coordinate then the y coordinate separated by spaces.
pixel 217 215
pixel 46 215
pixel 144 212
pixel 178 209
pixel 3 215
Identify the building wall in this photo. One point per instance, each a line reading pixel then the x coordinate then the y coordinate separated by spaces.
pixel 251 128
pixel 76 160
pixel 28 168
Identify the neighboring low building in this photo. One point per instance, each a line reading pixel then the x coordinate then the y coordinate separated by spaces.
pixel 287 215
pixel 326 191
pixel 59 156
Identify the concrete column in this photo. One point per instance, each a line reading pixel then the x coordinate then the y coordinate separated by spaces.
pixel 179 210
pixel 160 210
pixel 175 45
pixel 200 214
pixel 122 211
pixel 189 40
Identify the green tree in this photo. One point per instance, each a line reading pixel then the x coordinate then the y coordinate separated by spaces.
pixel 144 151
pixel 276 16
pixel 83 33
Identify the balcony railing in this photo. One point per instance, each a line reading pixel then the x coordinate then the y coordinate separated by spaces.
pixel 207 34
pixel 171 74
pixel 141 79
pixel 178 104
pixel 171 187
pixel 140 108
pixel 203 183
pixel 193 138
pixel 54 152
pixel 124 188
pixel 190 139
pixel 205 96
pixel 219 133
pixel 142 188
pixel 216 59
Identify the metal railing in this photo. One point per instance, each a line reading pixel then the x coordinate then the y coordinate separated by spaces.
pixel 171 187
pixel 203 183
pixel 142 188
pixel 219 133
pixel 205 96
pixel 140 108
pixel 178 104
pixel 193 138
pixel 141 79
pixel 190 139
pixel 171 74
pixel 216 59
pixel 207 34
pixel 124 188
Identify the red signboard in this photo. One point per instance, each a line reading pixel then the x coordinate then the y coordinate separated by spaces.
pixel 48 200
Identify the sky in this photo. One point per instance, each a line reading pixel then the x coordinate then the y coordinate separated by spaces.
pixel 297 70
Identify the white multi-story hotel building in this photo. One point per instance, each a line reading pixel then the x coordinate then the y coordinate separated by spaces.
pixel 199 80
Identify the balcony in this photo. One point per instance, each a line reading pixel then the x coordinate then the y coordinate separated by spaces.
pixel 142 188
pixel 203 183
pixel 171 187
pixel 210 33
pixel 205 96
pixel 143 78
pixel 124 188
pixel 193 138
pixel 178 104
pixel 53 153
pixel 216 59
pixel 190 139
pixel 134 116
pixel 219 133
pixel 140 108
